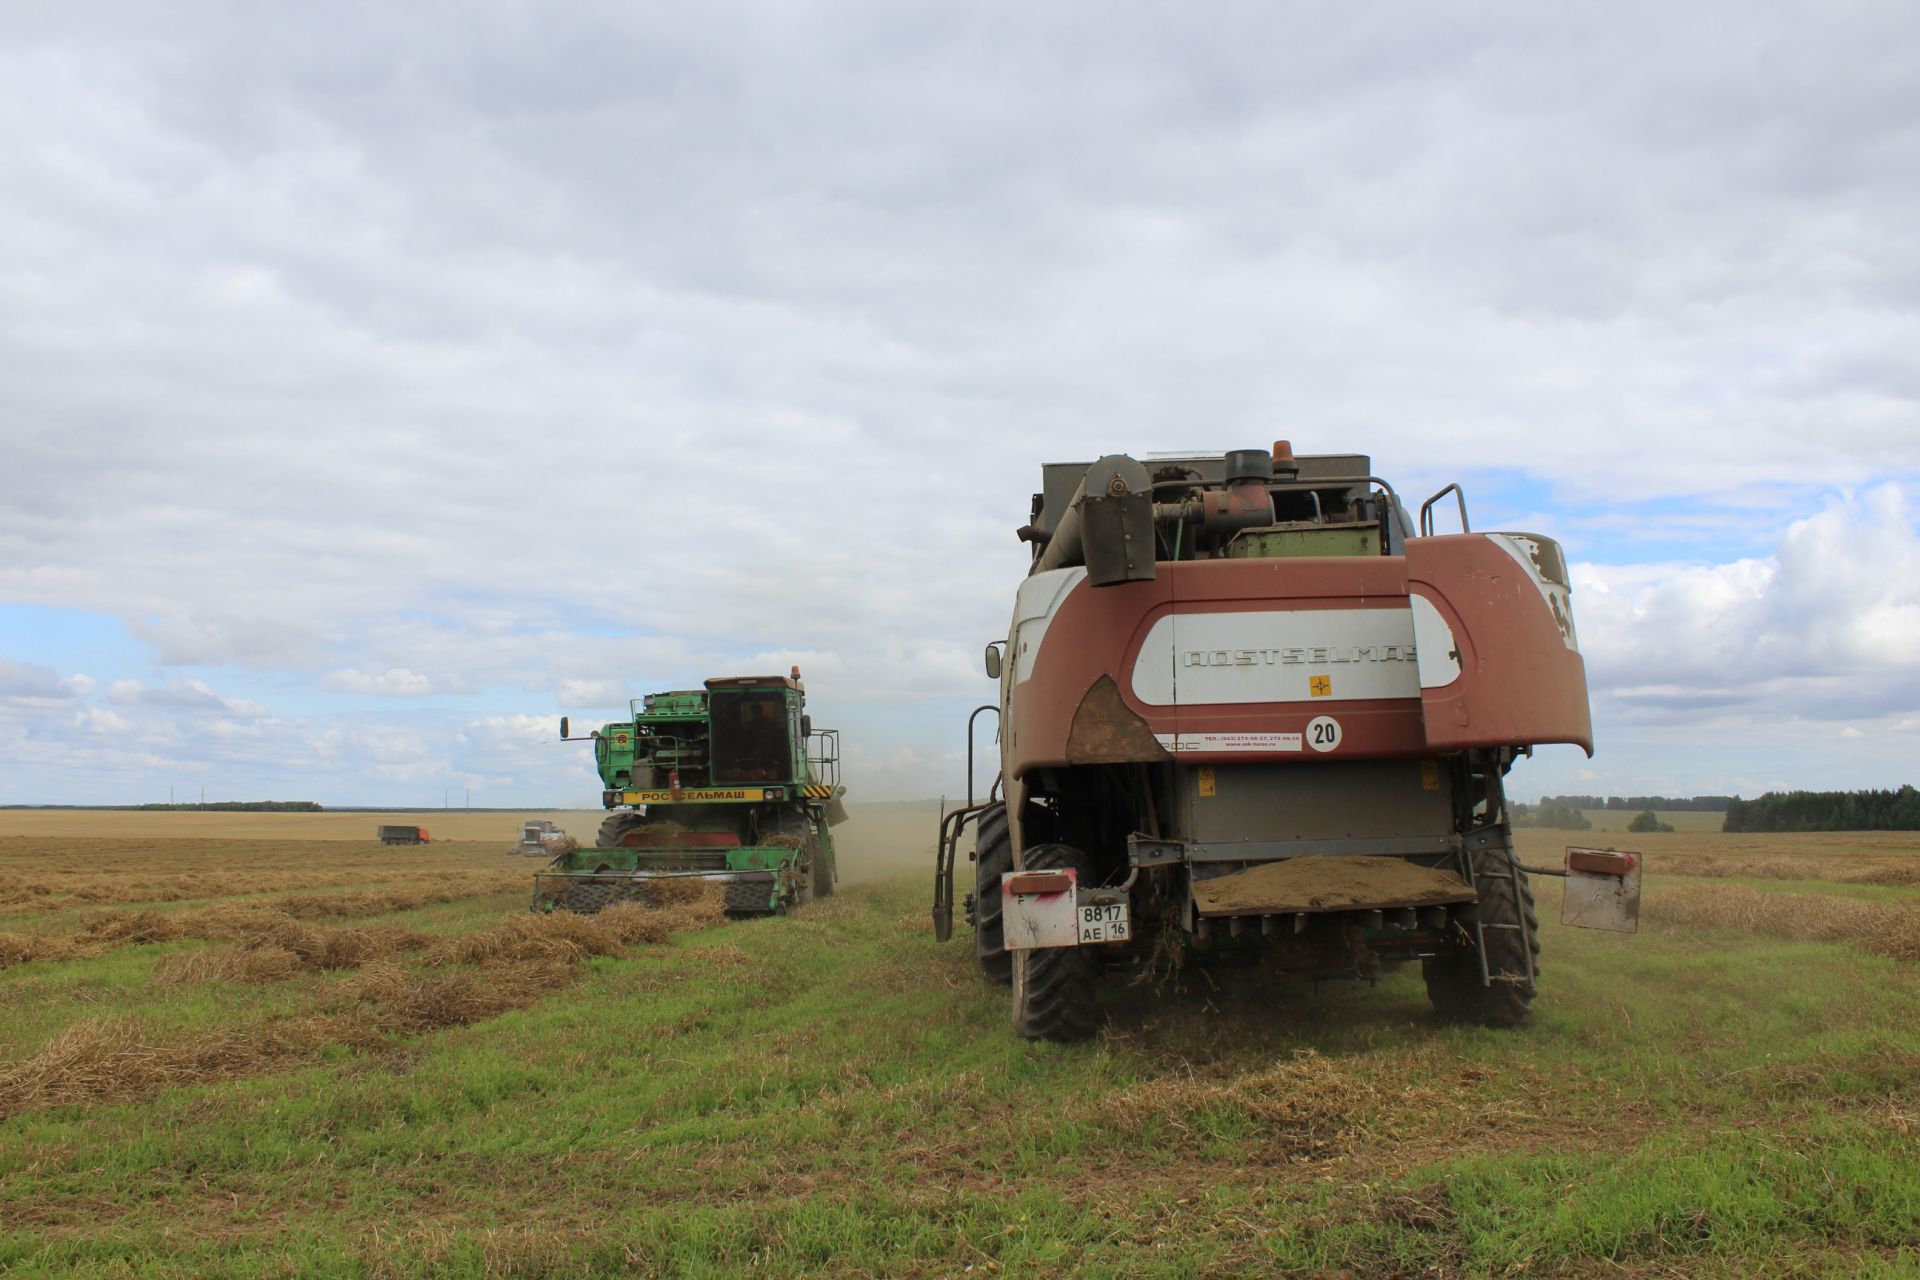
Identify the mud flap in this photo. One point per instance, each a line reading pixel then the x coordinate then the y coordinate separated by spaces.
pixel 1049 909
pixel 1603 890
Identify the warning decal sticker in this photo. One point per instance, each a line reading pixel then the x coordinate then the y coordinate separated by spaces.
pixel 1247 742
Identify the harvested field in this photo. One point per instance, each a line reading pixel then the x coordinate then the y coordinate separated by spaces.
pixel 457 980
pixel 102 932
pixel 377 1084
pixel 1884 929
pixel 1840 857
pixel 168 827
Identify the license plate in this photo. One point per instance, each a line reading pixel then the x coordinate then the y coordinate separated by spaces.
pixel 1106 922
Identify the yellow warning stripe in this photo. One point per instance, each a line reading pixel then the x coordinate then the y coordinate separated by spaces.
pixel 818 792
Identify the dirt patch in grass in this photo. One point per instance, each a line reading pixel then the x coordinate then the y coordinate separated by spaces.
pixel 228 920
pixel 1878 927
pixel 465 980
pixel 1308 1107
pixel 273 950
pixel 678 907
pixel 15 949
pixel 15 892
pixel 118 1058
pixel 398 1001
pixel 230 964
pixel 286 947
pixel 317 947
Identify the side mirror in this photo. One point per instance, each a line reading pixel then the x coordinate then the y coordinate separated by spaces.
pixel 563 728
pixel 994 666
pixel 806 726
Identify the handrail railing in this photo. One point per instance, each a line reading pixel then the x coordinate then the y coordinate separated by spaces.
pixel 952 824
pixel 824 766
pixel 987 706
pixel 1426 510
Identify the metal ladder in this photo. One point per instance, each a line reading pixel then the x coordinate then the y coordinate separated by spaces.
pixel 1511 875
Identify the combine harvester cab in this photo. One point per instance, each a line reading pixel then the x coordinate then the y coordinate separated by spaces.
pixel 1245 704
pixel 728 784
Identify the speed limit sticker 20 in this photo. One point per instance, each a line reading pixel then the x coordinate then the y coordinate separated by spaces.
pixel 1323 733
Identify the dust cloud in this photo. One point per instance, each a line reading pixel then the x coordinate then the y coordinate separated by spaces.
pixel 887 840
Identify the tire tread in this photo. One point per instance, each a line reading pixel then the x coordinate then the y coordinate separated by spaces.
pixel 993 857
pixel 1453 981
pixel 1053 996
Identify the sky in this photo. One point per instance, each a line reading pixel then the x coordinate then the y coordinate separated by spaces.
pixel 380 382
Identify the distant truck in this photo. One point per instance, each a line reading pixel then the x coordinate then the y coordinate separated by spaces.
pixel 404 835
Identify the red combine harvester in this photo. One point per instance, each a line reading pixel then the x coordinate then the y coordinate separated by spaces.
pixel 1244 704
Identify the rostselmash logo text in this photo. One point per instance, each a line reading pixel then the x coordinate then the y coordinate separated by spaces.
pixel 1314 655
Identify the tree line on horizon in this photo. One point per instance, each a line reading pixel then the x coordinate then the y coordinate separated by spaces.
pixel 1872 810
pixel 1637 804
pixel 1827 811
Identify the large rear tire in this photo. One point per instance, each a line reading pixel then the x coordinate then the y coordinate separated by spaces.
pixel 1053 987
pixel 992 858
pixel 1510 929
pixel 615 827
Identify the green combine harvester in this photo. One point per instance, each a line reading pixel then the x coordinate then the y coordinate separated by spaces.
pixel 727 785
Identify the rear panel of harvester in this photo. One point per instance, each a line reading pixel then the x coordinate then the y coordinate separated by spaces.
pixel 1267 700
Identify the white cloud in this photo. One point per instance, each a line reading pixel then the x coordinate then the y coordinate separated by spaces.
pixel 25 684
pixel 1822 629
pixel 340 356
pixel 185 697
pixel 592 693
pixel 101 722
pixel 396 682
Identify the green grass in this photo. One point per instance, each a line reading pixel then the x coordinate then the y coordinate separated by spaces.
pixel 836 1095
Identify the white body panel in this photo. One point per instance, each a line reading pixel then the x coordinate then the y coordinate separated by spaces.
pixel 1275 655
pixel 1530 553
pixel 1038 600
pixel 1439 660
